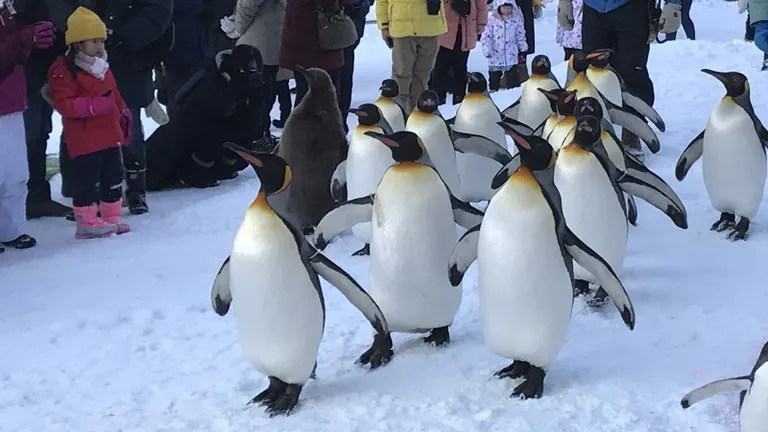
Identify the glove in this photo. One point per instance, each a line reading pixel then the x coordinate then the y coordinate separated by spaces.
pixel 43 34
pixel 126 118
pixel 670 18
pixel 228 27
pixel 156 113
pixel 94 106
pixel 743 5
pixel 565 14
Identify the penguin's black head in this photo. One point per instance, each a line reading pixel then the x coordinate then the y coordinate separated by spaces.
pixel 367 114
pixel 566 102
pixel 588 106
pixel 579 61
pixel 599 58
pixel 587 131
pixel 389 88
pixel 272 170
pixel 736 84
pixel 535 152
pixel 427 101
pixel 476 83
pixel 405 146
pixel 541 65
pixel 552 96
pixel 316 78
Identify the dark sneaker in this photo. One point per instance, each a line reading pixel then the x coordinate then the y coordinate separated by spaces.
pixel 137 203
pixel 632 145
pixel 48 208
pixel 23 241
pixel 265 144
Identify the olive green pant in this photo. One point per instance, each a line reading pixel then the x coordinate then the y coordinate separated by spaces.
pixel 413 59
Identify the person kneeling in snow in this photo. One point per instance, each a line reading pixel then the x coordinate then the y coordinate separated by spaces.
pixel 503 41
pixel 96 122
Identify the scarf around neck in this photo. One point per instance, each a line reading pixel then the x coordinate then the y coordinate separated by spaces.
pixel 96 66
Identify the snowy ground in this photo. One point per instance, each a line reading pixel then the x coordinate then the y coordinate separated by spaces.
pixel 118 334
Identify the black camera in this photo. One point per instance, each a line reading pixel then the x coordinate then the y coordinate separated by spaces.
pixel 433 6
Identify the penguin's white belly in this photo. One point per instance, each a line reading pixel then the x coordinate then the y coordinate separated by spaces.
pixel 534 107
pixel 733 162
pixel 592 210
pixel 607 83
pixel 524 287
pixel 615 153
pixel 412 239
pixel 476 172
pixel 754 412
pixel 433 132
pixel 549 126
pixel 278 310
pixel 367 161
pixel 560 134
pixel 392 113
pixel 586 89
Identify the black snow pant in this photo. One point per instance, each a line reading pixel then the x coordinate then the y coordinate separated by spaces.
pixel 687 22
pixel 98 177
pixel 269 77
pixel 626 31
pixel 175 76
pixel 38 126
pixel 135 159
pixel 569 52
pixel 447 61
pixel 749 34
pixel 283 95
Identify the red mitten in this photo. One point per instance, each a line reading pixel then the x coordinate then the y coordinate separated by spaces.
pixel 126 119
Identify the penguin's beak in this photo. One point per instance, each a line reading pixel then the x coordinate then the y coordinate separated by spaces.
pixel 599 54
pixel 252 158
pixel 719 75
pixel 474 78
pixel 389 142
pixel 358 112
pixel 520 142
pixel 302 71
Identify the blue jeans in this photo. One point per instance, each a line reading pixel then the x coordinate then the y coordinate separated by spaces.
pixel 761 35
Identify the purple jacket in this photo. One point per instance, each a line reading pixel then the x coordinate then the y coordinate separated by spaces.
pixel 15 46
pixel 503 39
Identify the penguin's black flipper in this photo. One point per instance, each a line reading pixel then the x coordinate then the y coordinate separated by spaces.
pixel 339 182
pixel 631 210
pixel 482 146
pixel 606 277
pixel 511 111
pixel 506 172
pixel 637 169
pixel 221 297
pixel 643 108
pixel 636 125
pixel 652 189
pixel 706 391
pixel 340 219
pixel 463 255
pixel 450 122
pixel 464 214
pixel 690 155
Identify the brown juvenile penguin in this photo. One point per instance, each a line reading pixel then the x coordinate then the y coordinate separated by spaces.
pixel 313 143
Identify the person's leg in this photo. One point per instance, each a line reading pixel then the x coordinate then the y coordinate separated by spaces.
pixel 494 78
pixel 65 169
pixel 403 60
pixel 174 77
pixel 459 68
pixel 135 163
pixel 269 75
pixel 440 73
pixel 426 53
pixel 111 189
pixel 86 197
pixel 595 33
pixel 14 174
pixel 346 81
pixel 761 35
pixel 687 22
pixel 301 88
pixel 283 95
pixel 749 33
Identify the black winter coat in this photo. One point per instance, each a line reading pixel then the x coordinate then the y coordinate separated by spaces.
pixel 192 19
pixel 131 25
pixel 38 62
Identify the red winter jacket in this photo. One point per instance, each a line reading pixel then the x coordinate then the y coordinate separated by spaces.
pixel 15 46
pixel 90 134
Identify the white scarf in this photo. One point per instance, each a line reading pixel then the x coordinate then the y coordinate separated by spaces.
pixel 96 66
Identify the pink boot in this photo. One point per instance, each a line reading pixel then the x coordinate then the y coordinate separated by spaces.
pixel 91 226
pixel 111 213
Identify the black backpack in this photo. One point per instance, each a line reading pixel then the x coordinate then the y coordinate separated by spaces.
pixel 462 7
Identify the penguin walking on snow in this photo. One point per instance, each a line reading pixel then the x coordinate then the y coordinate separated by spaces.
pixel 414 219
pixel 559 127
pixel 593 203
pixel 732 149
pixel 367 161
pixel 525 251
pixel 753 404
pixel 532 108
pixel 391 105
pixel 272 279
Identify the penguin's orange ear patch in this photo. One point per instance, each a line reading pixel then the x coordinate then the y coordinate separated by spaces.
pixel 518 139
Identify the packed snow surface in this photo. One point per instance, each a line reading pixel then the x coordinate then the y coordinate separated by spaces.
pixel 118 334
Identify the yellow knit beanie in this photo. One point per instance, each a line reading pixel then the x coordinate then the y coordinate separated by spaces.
pixel 84 25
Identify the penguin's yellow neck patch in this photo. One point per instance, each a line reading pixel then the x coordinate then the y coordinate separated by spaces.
pixel 573 150
pixel 727 98
pixel 260 203
pixel 475 97
pixel 523 177
pixel 418 114
pixel 363 128
pixel 580 82
pixel 406 166
pixel 384 100
pixel 567 121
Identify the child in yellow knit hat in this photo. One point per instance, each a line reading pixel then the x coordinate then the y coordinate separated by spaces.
pixel 96 122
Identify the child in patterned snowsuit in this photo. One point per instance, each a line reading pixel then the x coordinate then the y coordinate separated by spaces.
pixel 503 40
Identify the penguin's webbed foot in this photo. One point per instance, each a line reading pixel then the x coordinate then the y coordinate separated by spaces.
pixel 271 394
pixel 600 299
pixel 439 336
pixel 365 250
pixel 580 287
pixel 518 369
pixel 380 353
pixel 533 386
pixel 727 220
pixel 740 232
pixel 287 402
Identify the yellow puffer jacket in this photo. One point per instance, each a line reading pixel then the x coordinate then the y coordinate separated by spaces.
pixel 406 18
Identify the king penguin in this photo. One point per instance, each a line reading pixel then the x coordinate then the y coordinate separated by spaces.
pixel 753 406
pixel 532 108
pixel 414 219
pixel 557 132
pixel 427 122
pixel 525 251
pixel 477 115
pixel 272 279
pixel 391 106
pixel 546 127
pixel 367 161
pixel 613 113
pixel 732 149
pixel 600 216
